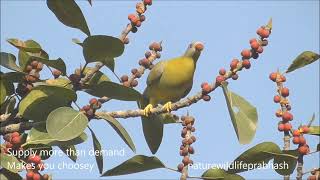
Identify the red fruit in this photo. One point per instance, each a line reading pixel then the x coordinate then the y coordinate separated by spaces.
pixel 282 78
pixel 303 150
pixel 255 45
pixel 246 64
pixel 285 92
pixel 45 177
pixel 86 107
pixel 235 76
pixel 260 50
pixel 191 150
pixel 147 2
pixel 302 140
pixel 219 79
pixel 180 167
pixel 305 129
pixel 186 160
pixel 206 88
pixel 147 54
pixel 56 73
pixel 259 31
pixel 16 140
pixel 29 175
pixel 287 116
pixel 273 76
pixel 276 99
pixel 124 78
pixel 253 40
pixel 134 83
pixel 93 101
pixel 281 127
pixel 264 33
pixel 34 64
pixel 142 18
pixel 28 68
pixel 234 63
pixel 155 46
pixel 138 23
pixel 312 177
pixel 296 140
pixel 15 134
pixel 287 127
pixel 222 71
pixel 34 159
pixel 39 66
pixel 36 176
pixel 246 53
pixel 131 16
pixel 296 133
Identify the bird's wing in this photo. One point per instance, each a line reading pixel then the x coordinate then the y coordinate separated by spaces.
pixel 156 72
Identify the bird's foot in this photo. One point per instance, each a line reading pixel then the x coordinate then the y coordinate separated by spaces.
pixel 147 110
pixel 168 106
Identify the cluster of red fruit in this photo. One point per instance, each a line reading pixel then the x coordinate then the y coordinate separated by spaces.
pixel 137 19
pixel 299 139
pixel 33 74
pixel 237 65
pixel 186 149
pixel 13 143
pixel 145 63
pixel 281 98
pixel 33 167
pixel 91 108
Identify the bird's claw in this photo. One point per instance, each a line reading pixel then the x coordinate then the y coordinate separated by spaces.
pixel 147 110
pixel 168 106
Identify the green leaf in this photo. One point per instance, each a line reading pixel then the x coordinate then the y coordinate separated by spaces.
pixel 28 46
pixel 3 91
pixel 114 91
pixel 44 99
pixel 102 48
pixel 120 130
pixel 8 105
pixel 10 163
pixel 13 77
pixel 110 63
pixel 9 61
pixel 65 123
pixel 259 155
pixel 69 13
pixel 153 131
pixel 97 148
pixel 8 175
pixel 243 115
pixel 97 78
pixel 70 151
pixel 136 164
pixel 305 58
pixel 285 158
pixel 44 151
pixel 36 136
pixel 216 173
pixel 314 130
pixel 63 82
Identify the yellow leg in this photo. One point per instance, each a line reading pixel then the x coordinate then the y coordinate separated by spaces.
pixel 147 110
pixel 168 106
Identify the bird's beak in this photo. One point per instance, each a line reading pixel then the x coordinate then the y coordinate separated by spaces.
pixel 199 46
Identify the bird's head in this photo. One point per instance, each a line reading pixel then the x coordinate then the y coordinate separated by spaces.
pixel 194 50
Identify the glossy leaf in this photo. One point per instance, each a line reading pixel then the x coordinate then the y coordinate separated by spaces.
pixel 25 57
pixel 102 48
pixel 259 154
pixel 136 164
pixel 44 151
pixel 97 148
pixel 289 158
pixel 220 174
pixel 314 130
pixel 153 131
pixel 114 91
pixel 3 91
pixel 70 151
pixel 28 45
pixel 13 77
pixel 243 115
pixel 305 58
pixel 8 175
pixel 69 13
pixel 43 99
pixel 63 82
pixel 10 163
pixel 8 106
pixel 65 123
pixel 9 61
pixel 120 130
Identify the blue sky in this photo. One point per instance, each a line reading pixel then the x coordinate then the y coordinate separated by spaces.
pixel 225 28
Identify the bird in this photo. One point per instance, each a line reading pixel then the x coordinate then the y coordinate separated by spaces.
pixel 167 82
